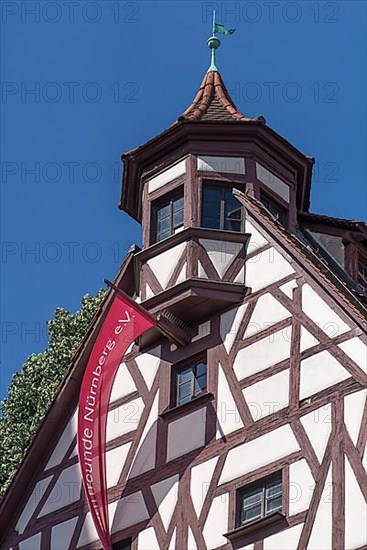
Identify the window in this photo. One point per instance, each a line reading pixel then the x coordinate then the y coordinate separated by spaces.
pixel 190 381
pixel 122 545
pixel 362 272
pixel 169 216
pixel 221 209
pixel 260 499
pixel 277 211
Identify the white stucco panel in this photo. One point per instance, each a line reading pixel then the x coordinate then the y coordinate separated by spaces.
pixel 265 268
pixel 64 442
pixel 182 276
pixel 62 533
pixel 287 289
pixel 268 396
pixel 144 459
pixel 301 486
pixel 233 165
pixel 221 253
pixel 148 364
pixel 357 351
pixel 285 540
pixel 259 452
pixel 65 491
pixel 186 433
pixel 34 499
pixel 201 476
pixel 164 264
pixel 165 495
pixel 307 339
pixel 115 461
pixel 147 540
pixel 262 354
pixel 88 533
pixel 130 510
pixel 201 271
pixel 318 428
pixel 320 371
pixel 353 413
pixel 321 313
pixel 355 511
pixel 230 322
pixel 217 522
pixel 321 534
pixel 228 417
pixel 167 175
pixel 267 312
pixel 124 419
pixel 172 544
pixel 33 543
pixel 123 384
pixel 257 239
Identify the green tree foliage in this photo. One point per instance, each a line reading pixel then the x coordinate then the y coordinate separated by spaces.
pixel 33 388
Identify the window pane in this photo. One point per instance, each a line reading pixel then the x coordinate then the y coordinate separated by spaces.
pixel 211 223
pixel 184 400
pixel 211 209
pixel 163 235
pixel 251 514
pixel 201 368
pixel 274 503
pixel 213 194
pixel 178 218
pixel 273 488
pixel 184 390
pixel 163 212
pixel 178 204
pixel 184 376
pixel 200 384
pixel 232 225
pixel 164 224
pixel 249 499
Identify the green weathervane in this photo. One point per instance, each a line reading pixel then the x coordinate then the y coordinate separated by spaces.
pixel 214 42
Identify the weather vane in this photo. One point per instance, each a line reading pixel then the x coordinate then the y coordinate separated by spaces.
pixel 214 42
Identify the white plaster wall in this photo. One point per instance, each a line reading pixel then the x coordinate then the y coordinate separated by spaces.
pixel 29 508
pixel 262 354
pixel 144 459
pixel 164 264
pixel 233 165
pixel 221 253
pixel 124 419
pixel 201 476
pixel 355 511
pixel 62 533
pixel 353 413
pixel 217 522
pixel 272 182
pixel 307 339
pixel 165 494
pixel 147 540
pixel 115 461
pixel 287 288
pixel 321 534
pixel 182 276
pixel 320 371
pixel 167 175
pixel 257 239
pixel 268 396
pixel 265 268
pixel 123 384
pixel 268 311
pixel 88 532
pixel 186 433
pixel 148 364
pixel 357 351
pixel 285 540
pixel 230 323
pixel 172 544
pixel 66 490
pixel 259 452
pixel 228 417
pixel 129 511
pixel 64 441
pixel 203 330
pixel 321 313
pixel 33 543
pixel 301 486
pixel 318 428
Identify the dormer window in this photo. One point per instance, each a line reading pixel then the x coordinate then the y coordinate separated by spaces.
pixel 275 209
pixel 169 216
pixel 220 209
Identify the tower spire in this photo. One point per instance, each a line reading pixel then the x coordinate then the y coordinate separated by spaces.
pixel 214 42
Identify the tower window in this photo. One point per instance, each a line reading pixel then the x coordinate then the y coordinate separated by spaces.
pixel 258 500
pixel 221 210
pixel 190 381
pixel 277 211
pixel 169 216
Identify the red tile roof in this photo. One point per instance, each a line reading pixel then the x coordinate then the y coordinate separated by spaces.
pixel 213 103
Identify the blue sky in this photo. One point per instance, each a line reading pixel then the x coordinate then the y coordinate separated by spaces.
pixel 107 76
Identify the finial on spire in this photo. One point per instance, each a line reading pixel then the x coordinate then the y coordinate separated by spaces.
pixel 214 42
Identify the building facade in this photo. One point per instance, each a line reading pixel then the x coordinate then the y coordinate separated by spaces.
pixel 246 428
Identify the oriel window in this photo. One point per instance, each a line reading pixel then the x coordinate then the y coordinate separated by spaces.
pixel 220 209
pixel 169 216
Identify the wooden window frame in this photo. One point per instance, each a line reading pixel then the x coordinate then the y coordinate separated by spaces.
pixel 176 369
pixel 160 202
pixel 224 185
pixel 261 484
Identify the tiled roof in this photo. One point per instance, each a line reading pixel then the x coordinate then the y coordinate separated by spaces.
pixel 355 225
pixel 213 103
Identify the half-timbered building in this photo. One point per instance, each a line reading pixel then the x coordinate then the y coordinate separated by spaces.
pixel 245 427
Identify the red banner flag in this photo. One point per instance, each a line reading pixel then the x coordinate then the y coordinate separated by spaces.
pixel 124 322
